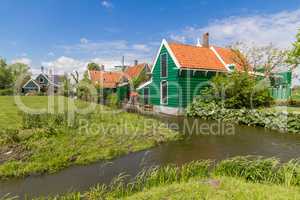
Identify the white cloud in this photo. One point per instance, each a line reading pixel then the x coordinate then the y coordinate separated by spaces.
pixel 106 4
pixel 278 28
pixel 141 47
pixel 83 41
pixel 111 52
pixel 23 60
pixel 65 64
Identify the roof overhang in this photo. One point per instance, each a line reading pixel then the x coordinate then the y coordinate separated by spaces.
pixel 144 85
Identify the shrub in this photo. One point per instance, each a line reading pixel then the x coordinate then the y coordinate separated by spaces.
pixel 48 121
pixel 6 92
pixel 239 90
pixel 113 100
pixel 287 122
pixel 9 136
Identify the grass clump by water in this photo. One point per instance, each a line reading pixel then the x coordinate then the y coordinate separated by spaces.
pixel 49 142
pixel 147 179
pixel 261 170
pixel 235 178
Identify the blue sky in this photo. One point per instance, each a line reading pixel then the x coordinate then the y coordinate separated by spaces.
pixel 67 34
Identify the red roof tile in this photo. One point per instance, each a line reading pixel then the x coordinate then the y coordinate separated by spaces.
pixel 135 71
pixel 105 79
pixel 195 57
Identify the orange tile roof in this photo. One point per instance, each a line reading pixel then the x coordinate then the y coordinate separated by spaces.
pixel 231 57
pixel 135 71
pixel 195 57
pixel 105 79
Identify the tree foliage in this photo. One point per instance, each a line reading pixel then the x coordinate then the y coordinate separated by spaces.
pixel 238 90
pixel 93 67
pixel 268 57
pixel 6 75
pixel 294 54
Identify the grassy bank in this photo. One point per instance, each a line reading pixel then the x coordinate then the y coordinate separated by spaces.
pixel 229 188
pixel 236 178
pixel 36 144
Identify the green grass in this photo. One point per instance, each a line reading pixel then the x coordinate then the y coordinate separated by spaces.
pixel 10 113
pixel 230 188
pixel 50 149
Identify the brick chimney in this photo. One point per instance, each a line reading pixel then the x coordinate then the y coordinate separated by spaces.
pixel 102 68
pixel 205 40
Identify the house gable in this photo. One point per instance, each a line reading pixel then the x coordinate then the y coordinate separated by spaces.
pixel 42 80
pixel 31 85
pixel 171 78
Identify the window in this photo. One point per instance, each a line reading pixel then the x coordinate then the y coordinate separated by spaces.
pixel 146 96
pixel 163 65
pixel 41 80
pixel 164 92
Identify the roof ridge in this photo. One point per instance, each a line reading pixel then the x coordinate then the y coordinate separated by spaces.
pixel 190 45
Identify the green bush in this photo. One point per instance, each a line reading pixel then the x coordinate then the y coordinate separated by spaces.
pixel 9 136
pixel 113 100
pixel 286 122
pixel 239 90
pixel 6 92
pixel 48 121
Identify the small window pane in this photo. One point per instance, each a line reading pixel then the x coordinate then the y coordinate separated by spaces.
pixel 163 65
pixel 164 92
pixel 146 96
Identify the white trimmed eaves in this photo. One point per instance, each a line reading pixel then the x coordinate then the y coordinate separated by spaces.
pixel 144 85
pixel 220 58
pixel 33 82
pixel 165 44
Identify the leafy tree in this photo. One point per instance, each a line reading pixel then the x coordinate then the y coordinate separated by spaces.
pixel 19 69
pixel 93 67
pixel 136 81
pixel 6 75
pixel 294 54
pixel 21 75
pixel 269 57
pixel 238 90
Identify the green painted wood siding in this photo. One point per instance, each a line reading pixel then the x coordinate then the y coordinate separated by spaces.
pixel 172 79
pixel 191 84
pixel 183 86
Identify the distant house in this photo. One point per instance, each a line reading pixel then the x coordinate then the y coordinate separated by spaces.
pixel 137 70
pixel 42 83
pixel 118 81
pixel 181 71
pixel 281 83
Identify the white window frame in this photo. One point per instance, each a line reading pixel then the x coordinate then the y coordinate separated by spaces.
pixel 167 65
pixel 161 99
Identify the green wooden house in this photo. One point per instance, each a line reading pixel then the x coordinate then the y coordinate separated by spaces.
pixel 41 83
pixel 180 72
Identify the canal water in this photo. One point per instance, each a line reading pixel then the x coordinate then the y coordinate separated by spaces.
pixel 203 140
